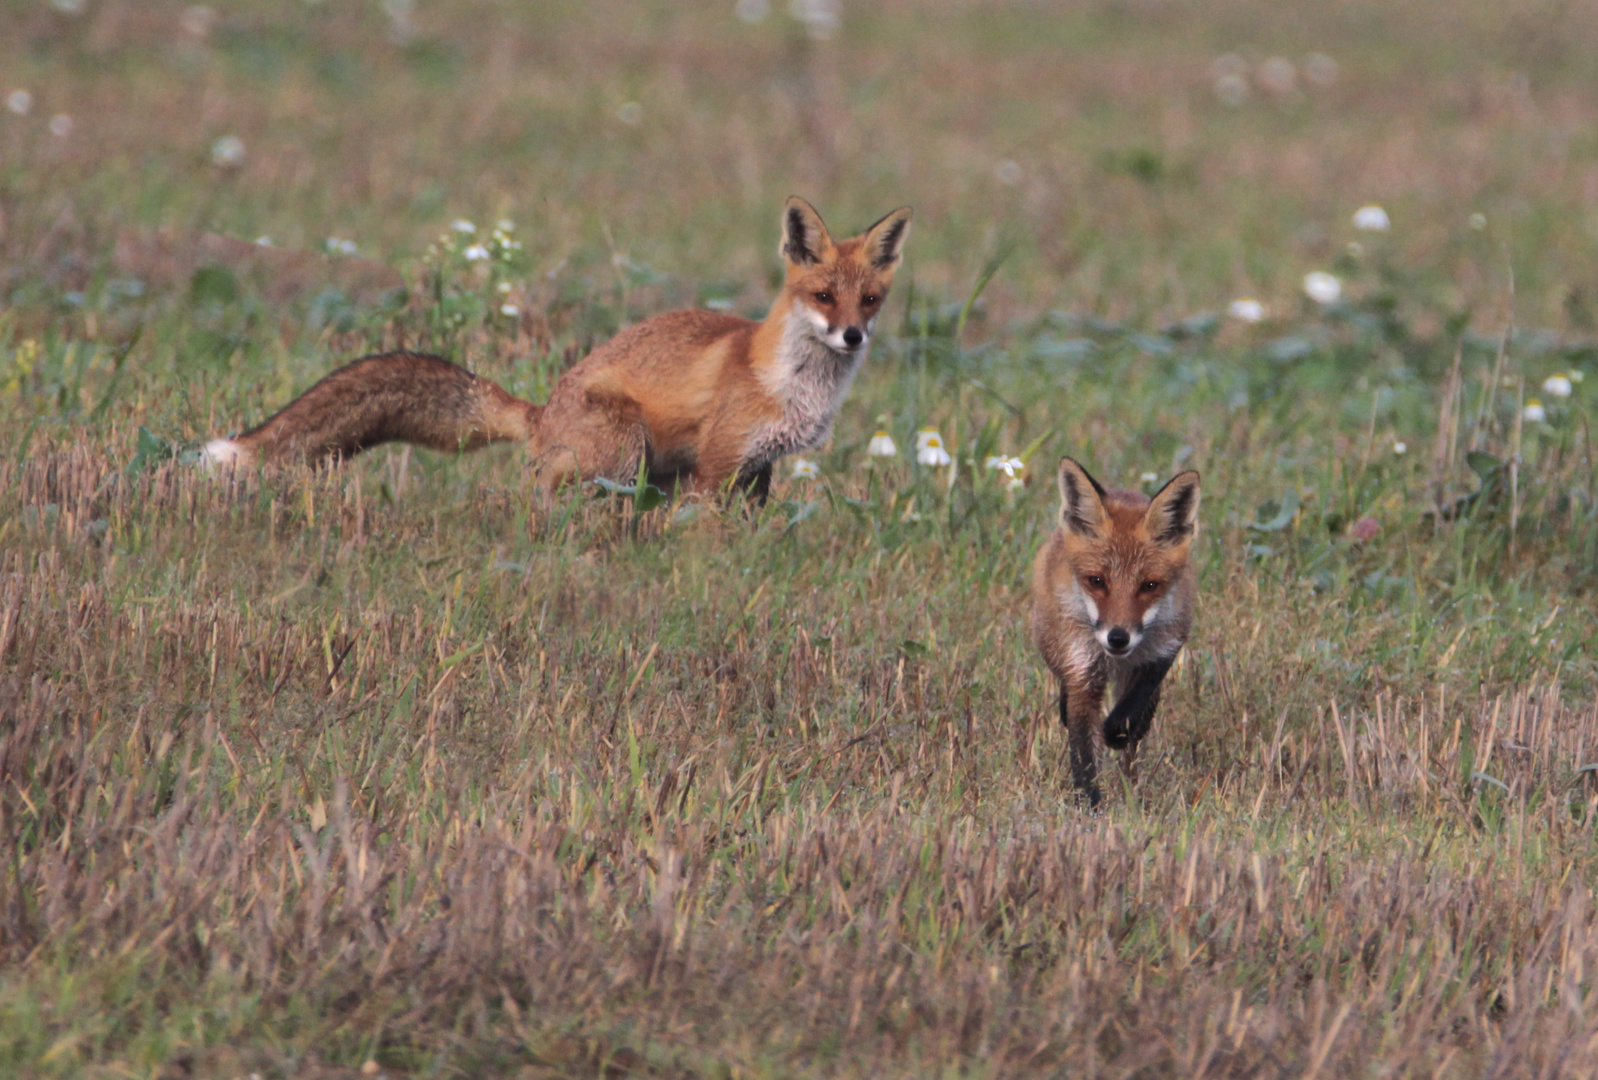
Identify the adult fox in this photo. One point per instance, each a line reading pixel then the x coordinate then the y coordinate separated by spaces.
pixel 699 398
pixel 1113 590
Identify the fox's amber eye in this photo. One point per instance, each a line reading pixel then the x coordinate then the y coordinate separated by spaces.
pixel 1095 582
pixel 870 299
pixel 823 298
pixel 1149 586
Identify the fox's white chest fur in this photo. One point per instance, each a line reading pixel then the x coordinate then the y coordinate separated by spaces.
pixel 810 380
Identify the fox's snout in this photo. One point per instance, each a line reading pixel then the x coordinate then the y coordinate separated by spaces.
pixel 853 336
pixel 1117 640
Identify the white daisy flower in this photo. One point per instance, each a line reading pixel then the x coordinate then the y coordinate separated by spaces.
pixel 1321 287
pixel 505 224
pixel 1320 69
pixel 1557 386
pixel 1148 478
pixel 1246 309
pixel 510 311
pixel 1231 89
pixel 227 152
pixel 20 102
pixel 1400 447
pixel 1478 222
pixel 930 449
pixel 1372 218
pixel 339 246
pixel 882 445
pixel 61 125
pixel 1011 467
pixel 475 253
pixel 805 469
pixel 1007 172
pixel 461 225
pixel 1278 75
pixel 821 17
pixel 1534 413
pixel 1576 375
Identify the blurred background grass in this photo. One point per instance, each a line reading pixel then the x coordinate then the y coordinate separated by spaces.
pixel 1387 702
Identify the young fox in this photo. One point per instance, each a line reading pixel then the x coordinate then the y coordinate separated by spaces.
pixel 699 398
pixel 1112 593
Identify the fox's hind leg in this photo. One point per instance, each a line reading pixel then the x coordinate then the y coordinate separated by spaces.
pixel 576 447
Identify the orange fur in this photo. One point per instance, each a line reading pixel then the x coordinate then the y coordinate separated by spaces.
pixel 1113 595
pixel 699 398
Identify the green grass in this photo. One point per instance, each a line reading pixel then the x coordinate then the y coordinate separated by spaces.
pixel 309 769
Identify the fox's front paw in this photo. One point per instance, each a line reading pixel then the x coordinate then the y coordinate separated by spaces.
pixel 1117 734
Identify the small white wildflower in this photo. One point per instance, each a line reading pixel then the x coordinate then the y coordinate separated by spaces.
pixel 882 445
pixel 69 7
pixel 1400 447
pixel 1372 218
pixel 1246 309
pixel 339 246
pixel 475 252
pixel 630 112
pixel 821 17
pixel 461 225
pixel 263 241
pixel 504 287
pixel 930 449
pixel 505 225
pixel 1321 287
pixel 227 152
pixel 1011 467
pixel 751 11
pixel 61 125
pixel 1278 76
pixel 1228 64
pixel 510 311
pixel 1231 89
pixel 1478 222
pixel 1576 375
pixel 1557 386
pixel 20 102
pixel 805 469
pixel 1321 70
pixel 1534 413
pixel 1007 172
pixel 198 20
pixel 1148 478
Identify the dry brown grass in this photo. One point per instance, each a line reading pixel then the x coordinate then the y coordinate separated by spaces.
pixel 313 769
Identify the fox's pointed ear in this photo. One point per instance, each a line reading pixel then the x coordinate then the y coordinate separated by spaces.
pixel 1081 500
pixel 884 241
pixel 1173 515
pixel 804 237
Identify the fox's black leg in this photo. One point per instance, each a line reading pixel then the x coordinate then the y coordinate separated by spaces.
pixel 1129 721
pixel 758 486
pixel 1084 771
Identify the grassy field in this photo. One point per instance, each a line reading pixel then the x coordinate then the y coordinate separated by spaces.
pixel 310 773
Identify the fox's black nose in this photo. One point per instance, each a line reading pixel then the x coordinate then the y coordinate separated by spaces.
pixel 852 337
pixel 1118 638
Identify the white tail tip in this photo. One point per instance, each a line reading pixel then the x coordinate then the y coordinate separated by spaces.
pixel 221 454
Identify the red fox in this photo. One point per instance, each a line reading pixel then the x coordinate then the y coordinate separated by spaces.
pixel 698 398
pixel 1113 594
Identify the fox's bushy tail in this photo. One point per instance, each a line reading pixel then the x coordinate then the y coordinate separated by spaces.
pixel 395 397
